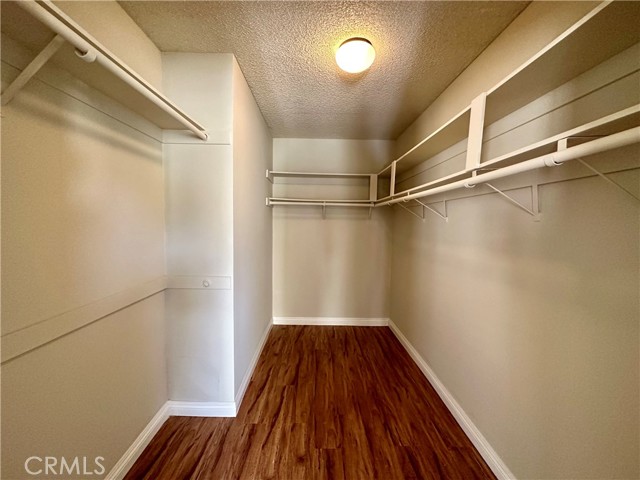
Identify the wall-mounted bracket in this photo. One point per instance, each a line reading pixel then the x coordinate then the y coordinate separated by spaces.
pixel 433 210
pixel 607 179
pixel 30 70
pixel 476 129
pixel 425 207
pixel 534 211
pixel 421 217
pixel 574 140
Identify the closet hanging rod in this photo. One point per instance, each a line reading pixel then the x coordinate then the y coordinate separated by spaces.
pixel 610 142
pixel 321 204
pixel 48 14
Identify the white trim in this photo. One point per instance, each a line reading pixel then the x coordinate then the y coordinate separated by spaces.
pixel 252 366
pixel 198 282
pixel 29 338
pixel 35 335
pixel 169 409
pixel 201 409
pixel 332 321
pixel 490 456
pixel 127 460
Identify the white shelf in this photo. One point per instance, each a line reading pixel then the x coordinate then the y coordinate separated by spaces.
pixel 271 174
pixel 272 201
pixel 604 32
pixel 453 131
pixel 616 122
pixel 448 178
pixel 371 178
pixel 321 201
pixel 125 86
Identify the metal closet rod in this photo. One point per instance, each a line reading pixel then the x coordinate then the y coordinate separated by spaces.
pixel 610 142
pixel 89 53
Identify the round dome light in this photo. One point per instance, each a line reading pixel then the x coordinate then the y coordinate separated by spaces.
pixel 355 55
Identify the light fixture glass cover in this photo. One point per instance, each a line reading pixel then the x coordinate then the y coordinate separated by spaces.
pixel 355 55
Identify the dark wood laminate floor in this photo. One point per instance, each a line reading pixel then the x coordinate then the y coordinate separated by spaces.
pixel 324 403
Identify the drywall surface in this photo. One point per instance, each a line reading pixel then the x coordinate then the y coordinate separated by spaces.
pixel 337 266
pixel 199 246
pixel 202 84
pixel 89 394
pixel 199 234
pixel 533 326
pixel 83 207
pixel 252 226
pixel 82 221
pixel 534 28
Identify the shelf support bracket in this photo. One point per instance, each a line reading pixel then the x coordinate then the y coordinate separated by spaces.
pixel 31 69
pixel 324 210
pixel 476 128
pixel 411 211
pixel 534 212
pixel 607 179
pixel 433 210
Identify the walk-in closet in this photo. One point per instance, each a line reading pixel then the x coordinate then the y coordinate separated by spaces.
pixel 320 240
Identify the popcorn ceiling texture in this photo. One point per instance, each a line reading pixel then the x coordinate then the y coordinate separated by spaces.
pixel 287 53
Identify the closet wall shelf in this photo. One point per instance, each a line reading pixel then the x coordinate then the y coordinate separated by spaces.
pixel 616 122
pixel 604 32
pixel 602 127
pixel 371 178
pixel 84 57
pixel 598 145
pixel 355 203
pixel 453 131
pixel 271 202
pixel 271 174
pixel 432 183
pixel 328 203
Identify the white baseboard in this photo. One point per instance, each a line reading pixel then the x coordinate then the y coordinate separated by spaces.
pixel 201 409
pixel 252 366
pixel 169 409
pixel 127 460
pixel 332 321
pixel 490 456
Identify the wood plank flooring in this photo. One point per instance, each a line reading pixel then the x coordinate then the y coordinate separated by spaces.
pixel 324 403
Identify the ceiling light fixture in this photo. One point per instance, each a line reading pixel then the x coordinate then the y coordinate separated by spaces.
pixel 355 55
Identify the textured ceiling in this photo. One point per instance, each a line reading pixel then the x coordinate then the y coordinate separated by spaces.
pixel 287 53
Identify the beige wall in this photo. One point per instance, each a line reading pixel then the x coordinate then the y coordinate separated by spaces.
pixel 533 326
pixel 88 394
pixel 252 226
pixel 83 223
pixel 337 266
